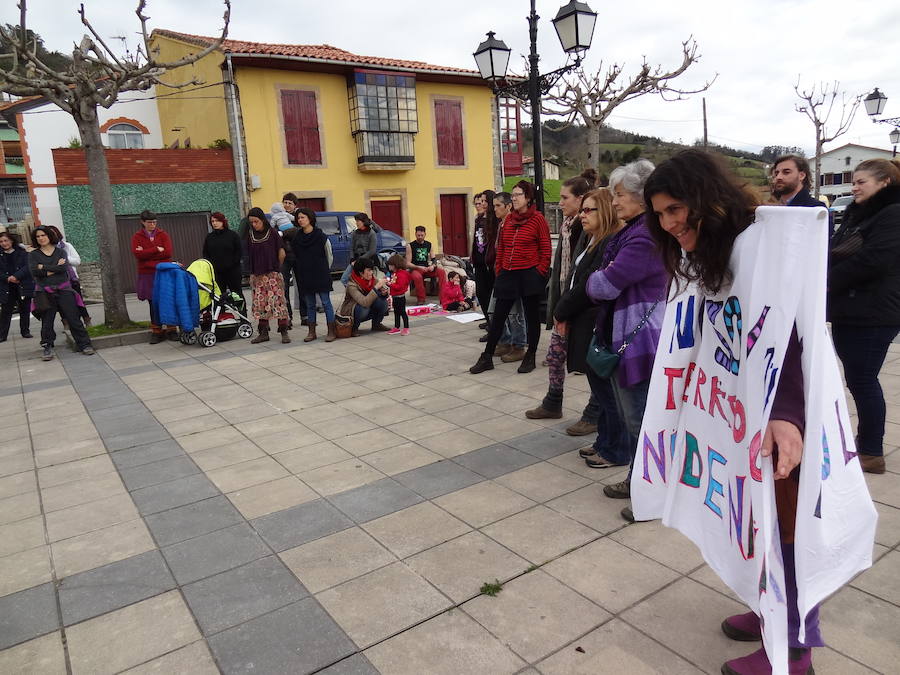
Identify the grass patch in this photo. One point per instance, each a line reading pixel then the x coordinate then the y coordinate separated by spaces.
pixel 491 589
pixel 101 329
pixel 551 187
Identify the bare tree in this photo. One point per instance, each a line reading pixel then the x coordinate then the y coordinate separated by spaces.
pixel 95 79
pixel 817 103
pixel 592 97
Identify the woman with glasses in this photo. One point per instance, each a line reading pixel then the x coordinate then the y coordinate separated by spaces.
pixel 522 265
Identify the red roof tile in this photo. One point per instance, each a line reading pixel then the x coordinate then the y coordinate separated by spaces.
pixel 323 52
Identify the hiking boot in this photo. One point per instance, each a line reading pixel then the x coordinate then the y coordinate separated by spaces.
pixel 88 351
pixel 541 413
pixel 502 349
pixel 285 338
pixel 597 462
pixel 587 451
pixel 263 336
pixel 581 428
pixel 48 354
pixel 620 490
pixel 757 663
pixel 514 354
pixel 527 364
pixel 311 333
pixel 743 627
pixel 872 463
pixel 332 334
pixel 156 338
pixel 485 362
pixel 27 334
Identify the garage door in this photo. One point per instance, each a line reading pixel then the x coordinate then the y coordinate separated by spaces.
pixel 187 231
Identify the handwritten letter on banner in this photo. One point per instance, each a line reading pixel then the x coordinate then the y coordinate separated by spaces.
pixel 698 463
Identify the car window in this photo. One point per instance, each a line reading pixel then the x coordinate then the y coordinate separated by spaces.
pixel 328 224
pixel 842 201
pixel 350 223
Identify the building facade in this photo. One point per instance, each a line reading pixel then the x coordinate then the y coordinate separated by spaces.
pixel 409 143
pixel 836 171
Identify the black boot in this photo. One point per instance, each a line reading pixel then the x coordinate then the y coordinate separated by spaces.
pixel 485 362
pixel 527 364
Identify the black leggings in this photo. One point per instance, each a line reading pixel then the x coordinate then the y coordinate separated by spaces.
pixel 399 302
pixel 229 280
pixel 63 302
pixel 484 286
pixel 531 306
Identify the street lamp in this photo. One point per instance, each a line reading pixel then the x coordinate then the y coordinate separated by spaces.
pixel 875 103
pixel 574 24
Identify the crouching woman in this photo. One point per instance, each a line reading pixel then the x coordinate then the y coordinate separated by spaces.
pixel 266 256
pixel 365 298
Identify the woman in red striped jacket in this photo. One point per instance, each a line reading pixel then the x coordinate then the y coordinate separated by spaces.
pixel 522 265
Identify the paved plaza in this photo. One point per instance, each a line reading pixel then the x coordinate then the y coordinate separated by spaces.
pixel 336 508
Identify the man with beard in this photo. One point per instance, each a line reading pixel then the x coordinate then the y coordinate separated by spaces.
pixel 791 182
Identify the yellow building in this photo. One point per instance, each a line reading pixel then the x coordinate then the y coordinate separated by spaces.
pixel 407 142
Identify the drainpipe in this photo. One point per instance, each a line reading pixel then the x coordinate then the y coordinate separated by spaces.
pixel 236 129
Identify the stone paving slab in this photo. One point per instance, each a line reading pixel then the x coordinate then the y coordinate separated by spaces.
pixel 309 508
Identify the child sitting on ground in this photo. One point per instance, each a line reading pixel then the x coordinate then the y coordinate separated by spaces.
pixel 452 297
pixel 398 287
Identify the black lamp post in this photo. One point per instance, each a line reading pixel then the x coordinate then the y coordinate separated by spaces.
pixel 875 103
pixel 574 24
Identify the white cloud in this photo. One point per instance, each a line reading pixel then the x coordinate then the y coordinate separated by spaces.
pixel 757 48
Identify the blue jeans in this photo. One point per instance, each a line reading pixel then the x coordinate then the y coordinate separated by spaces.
pixel 631 402
pixel 862 350
pixel 376 312
pixel 592 410
pixel 345 277
pixel 325 298
pixel 612 442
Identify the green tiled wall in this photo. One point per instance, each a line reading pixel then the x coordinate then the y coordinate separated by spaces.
pixel 131 199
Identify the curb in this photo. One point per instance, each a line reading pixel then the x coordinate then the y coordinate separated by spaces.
pixel 118 340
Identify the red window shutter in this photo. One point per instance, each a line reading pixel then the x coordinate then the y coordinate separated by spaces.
pixel 301 127
pixel 448 130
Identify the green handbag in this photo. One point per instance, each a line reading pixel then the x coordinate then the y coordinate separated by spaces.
pixel 603 361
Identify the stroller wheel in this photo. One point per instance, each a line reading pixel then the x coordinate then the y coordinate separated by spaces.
pixel 245 330
pixel 188 338
pixel 207 339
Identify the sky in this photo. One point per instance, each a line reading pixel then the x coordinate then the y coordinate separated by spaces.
pixel 756 49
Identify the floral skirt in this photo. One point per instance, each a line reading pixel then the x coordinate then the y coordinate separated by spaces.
pixel 268 296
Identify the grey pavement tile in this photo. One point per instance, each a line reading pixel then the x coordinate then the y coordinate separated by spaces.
pixel 213 553
pixel 108 400
pixel 40 386
pixel 438 479
pixel 241 594
pixel 173 494
pixel 377 499
pixel 495 460
pixel 137 370
pixel 27 614
pixel 192 520
pixel 548 443
pixel 138 423
pixel 353 665
pixel 147 454
pixel 299 638
pixel 297 525
pixel 104 589
pixel 145 475
pixel 121 441
pixel 135 413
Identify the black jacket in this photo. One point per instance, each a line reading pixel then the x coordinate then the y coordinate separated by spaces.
pixel 223 249
pixel 803 198
pixel 15 264
pixel 311 267
pixel 554 283
pixel 575 307
pixel 864 286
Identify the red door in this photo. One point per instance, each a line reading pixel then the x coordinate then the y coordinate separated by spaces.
pixel 389 215
pixel 314 203
pixel 454 228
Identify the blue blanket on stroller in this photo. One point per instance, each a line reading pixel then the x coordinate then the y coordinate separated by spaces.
pixel 175 296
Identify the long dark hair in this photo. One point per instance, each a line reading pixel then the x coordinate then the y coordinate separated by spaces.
pixel 490 218
pixel 718 208
pixel 51 235
pixel 581 184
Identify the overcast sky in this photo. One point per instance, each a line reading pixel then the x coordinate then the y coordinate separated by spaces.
pixel 757 47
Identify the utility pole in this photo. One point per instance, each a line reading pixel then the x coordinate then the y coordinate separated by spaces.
pixel 534 97
pixel 705 136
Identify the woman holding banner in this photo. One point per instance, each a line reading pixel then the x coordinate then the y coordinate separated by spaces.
pixel 697 213
pixel 864 296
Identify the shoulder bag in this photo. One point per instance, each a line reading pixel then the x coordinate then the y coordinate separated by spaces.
pixel 602 360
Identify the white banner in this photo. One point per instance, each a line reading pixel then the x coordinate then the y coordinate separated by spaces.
pixel 698 464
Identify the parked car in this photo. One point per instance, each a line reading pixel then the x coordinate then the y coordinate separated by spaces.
pixel 339 226
pixel 838 206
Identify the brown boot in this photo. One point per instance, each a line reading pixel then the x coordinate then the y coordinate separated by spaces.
pixel 311 335
pixel 541 413
pixel 872 463
pixel 332 335
pixel 514 354
pixel 502 350
pixel 285 338
pixel 262 337
pixel 581 428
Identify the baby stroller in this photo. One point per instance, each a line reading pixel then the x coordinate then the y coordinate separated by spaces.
pixel 221 316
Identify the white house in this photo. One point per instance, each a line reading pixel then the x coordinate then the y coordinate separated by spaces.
pixel 836 172
pixel 551 168
pixel 131 122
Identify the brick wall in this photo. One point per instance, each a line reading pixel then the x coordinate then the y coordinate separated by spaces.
pixel 148 166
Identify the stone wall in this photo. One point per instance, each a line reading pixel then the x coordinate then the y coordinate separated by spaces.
pixel 89 275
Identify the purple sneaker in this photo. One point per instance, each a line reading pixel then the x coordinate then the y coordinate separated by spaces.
pixel 757 663
pixel 743 627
